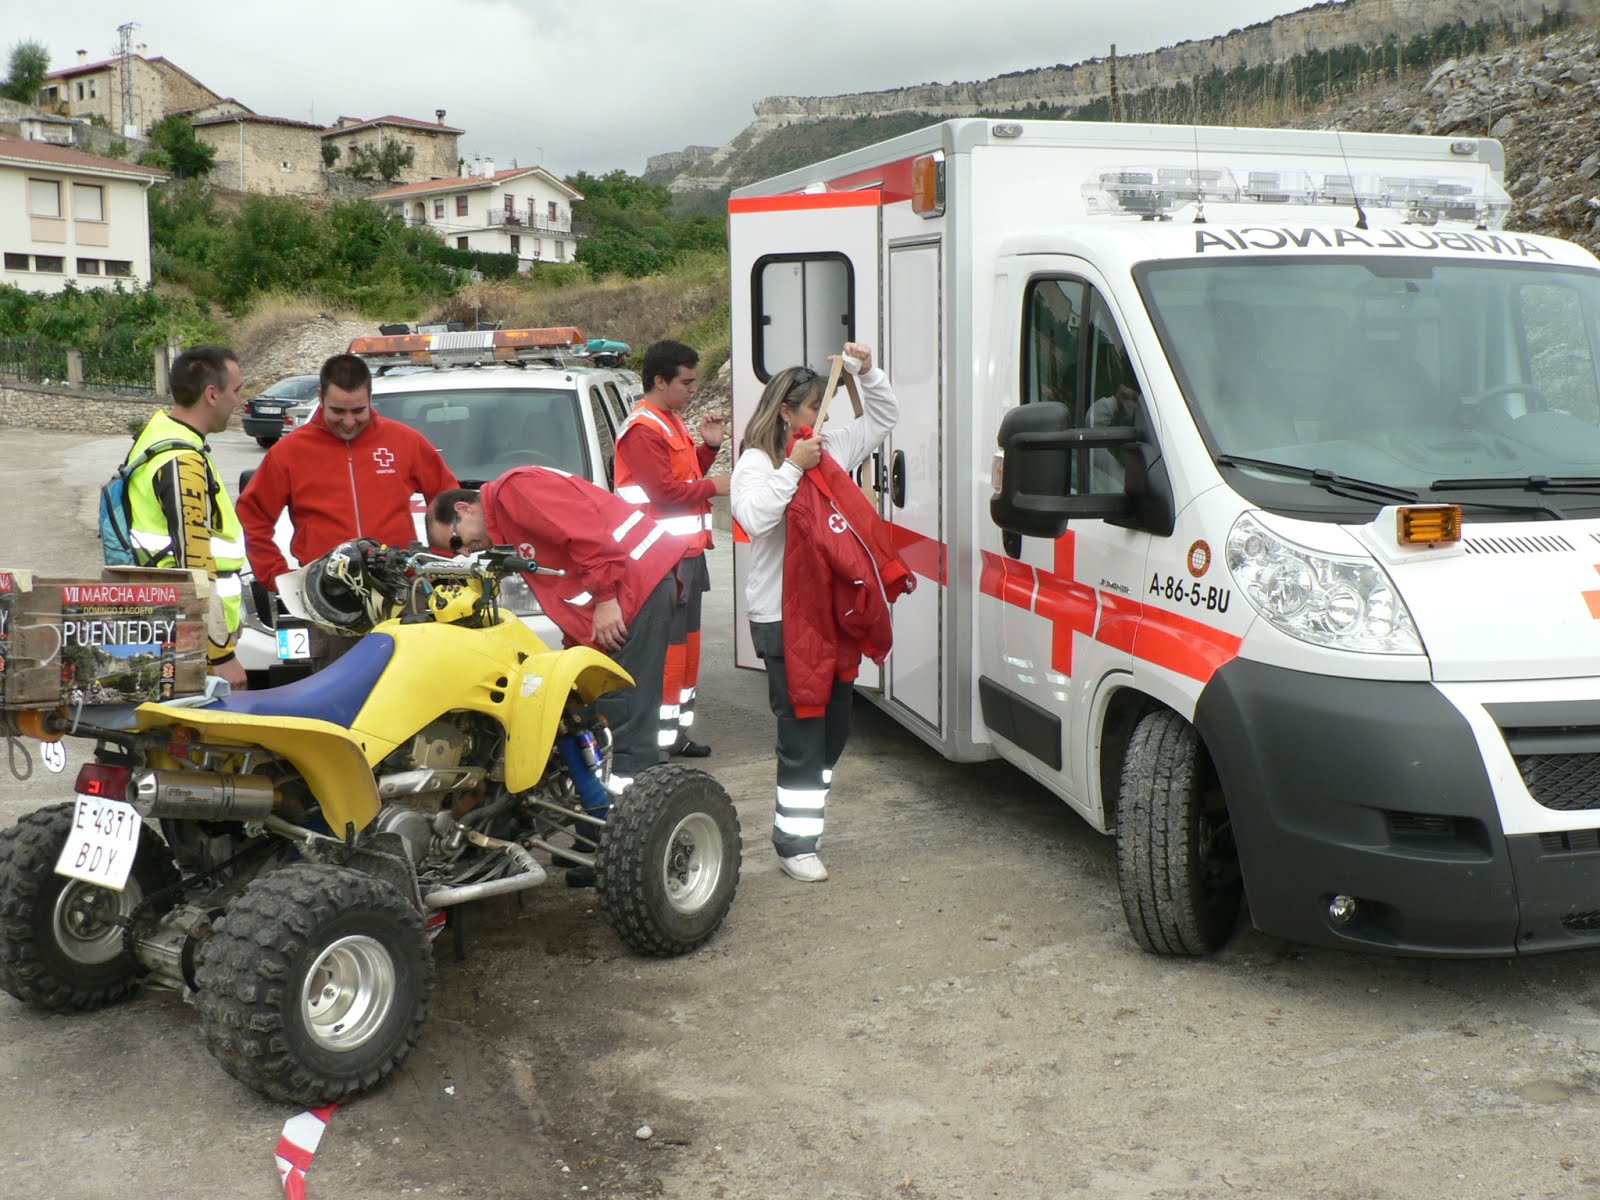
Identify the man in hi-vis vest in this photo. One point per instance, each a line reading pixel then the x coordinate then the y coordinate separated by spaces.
pixel 660 469
pixel 181 514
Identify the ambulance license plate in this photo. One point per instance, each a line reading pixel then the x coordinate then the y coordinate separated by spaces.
pixel 101 844
pixel 294 644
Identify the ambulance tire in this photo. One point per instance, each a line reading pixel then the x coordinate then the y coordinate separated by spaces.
pixel 668 864
pixel 62 944
pixel 1177 866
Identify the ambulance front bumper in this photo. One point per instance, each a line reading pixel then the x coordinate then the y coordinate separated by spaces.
pixel 1377 792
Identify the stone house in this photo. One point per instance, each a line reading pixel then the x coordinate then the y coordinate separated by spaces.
pixel 434 145
pixel 525 211
pixel 263 154
pixel 70 216
pixel 94 89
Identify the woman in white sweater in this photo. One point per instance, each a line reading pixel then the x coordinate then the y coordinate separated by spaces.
pixel 764 481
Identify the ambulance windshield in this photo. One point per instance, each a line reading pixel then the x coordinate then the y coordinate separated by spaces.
pixel 1404 372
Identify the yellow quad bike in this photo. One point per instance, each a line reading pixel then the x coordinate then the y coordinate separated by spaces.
pixel 283 856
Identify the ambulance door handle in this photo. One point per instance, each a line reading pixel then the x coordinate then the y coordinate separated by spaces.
pixel 897 479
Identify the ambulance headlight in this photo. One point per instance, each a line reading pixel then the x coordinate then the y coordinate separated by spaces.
pixel 517 597
pixel 1345 603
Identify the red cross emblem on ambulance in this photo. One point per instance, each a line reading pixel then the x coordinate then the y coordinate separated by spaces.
pixel 383 456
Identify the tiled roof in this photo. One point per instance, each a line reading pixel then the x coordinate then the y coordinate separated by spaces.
pixel 81 69
pixel 251 118
pixel 67 157
pixel 407 122
pixel 466 183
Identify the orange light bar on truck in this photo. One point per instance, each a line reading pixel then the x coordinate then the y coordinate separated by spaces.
pixel 1428 524
pixel 554 344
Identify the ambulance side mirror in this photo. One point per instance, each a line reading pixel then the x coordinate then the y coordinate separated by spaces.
pixel 1039 453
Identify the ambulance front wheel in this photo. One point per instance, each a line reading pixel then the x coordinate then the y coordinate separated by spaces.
pixel 1177 866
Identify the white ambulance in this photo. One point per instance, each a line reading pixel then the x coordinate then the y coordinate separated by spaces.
pixel 1254 482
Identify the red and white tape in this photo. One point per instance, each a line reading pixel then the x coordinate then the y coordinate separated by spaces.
pixel 301 1135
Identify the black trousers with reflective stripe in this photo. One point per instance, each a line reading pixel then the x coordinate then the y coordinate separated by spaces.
pixel 635 713
pixel 808 748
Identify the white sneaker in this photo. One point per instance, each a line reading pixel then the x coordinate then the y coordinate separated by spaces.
pixel 807 868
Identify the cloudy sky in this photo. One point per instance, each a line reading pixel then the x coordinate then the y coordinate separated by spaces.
pixel 599 84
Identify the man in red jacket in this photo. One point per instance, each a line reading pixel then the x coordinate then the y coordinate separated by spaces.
pixel 617 594
pixel 347 473
pixel 660 469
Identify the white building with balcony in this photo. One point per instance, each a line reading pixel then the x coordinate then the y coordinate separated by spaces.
pixel 70 217
pixel 525 211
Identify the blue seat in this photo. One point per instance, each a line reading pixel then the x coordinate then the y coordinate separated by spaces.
pixel 335 693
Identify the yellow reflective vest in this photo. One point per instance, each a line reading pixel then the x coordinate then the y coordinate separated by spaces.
pixel 182 516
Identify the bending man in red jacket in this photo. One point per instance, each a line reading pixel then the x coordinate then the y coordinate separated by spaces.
pixel 809 671
pixel 347 473
pixel 617 594
pixel 660 469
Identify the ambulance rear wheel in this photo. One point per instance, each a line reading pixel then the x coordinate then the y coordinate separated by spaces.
pixel 62 945
pixel 1177 866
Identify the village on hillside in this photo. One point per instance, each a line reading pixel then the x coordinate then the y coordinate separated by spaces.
pixel 69 162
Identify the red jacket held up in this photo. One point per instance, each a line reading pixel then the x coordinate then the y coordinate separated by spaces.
pixel 840 575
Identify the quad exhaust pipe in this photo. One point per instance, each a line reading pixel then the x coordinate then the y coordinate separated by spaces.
pixel 202 795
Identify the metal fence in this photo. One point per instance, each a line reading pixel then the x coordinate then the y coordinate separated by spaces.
pixel 115 365
pixel 33 360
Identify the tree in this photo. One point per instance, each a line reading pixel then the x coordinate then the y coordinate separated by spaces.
pixel 330 154
pixel 175 149
pixel 30 63
pixel 385 163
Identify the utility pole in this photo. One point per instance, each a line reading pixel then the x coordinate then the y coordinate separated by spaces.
pixel 1113 81
pixel 125 54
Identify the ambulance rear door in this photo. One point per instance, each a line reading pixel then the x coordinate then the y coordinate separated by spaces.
pixel 805 280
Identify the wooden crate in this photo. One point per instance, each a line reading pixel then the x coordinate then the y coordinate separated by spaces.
pixel 127 637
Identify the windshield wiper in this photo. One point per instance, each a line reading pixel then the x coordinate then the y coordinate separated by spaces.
pixel 1528 483
pixel 1331 481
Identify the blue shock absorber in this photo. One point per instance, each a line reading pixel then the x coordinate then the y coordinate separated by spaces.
pixel 579 752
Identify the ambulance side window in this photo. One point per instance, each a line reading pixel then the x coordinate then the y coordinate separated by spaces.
pixel 1113 391
pixel 803 309
pixel 1053 339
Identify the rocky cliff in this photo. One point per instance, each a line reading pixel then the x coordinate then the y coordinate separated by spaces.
pixel 1322 27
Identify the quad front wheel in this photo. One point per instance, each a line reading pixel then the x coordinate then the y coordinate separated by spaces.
pixel 1177 866
pixel 669 860
pixel 315 984
pixel 61 940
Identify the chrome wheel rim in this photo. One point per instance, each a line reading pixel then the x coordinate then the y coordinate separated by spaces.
pixel 348 992
pixel 89 920
pixel 692 862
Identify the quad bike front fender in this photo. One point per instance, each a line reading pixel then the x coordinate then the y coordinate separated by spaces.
pixel 534 712
pixel 332 761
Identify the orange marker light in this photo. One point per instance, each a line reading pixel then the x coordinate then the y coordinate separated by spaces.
pixel 927 185
pixel 1428 524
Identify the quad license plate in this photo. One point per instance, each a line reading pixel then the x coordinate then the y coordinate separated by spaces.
pixel 102 842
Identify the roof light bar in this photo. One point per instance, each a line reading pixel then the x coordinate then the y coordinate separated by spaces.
pixel 557 345
pixel 1155 192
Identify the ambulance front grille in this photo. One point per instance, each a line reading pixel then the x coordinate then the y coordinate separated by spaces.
pixel 1565 782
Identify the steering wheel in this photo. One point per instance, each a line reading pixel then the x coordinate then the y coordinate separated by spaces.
pixel 1538 401
pixel 519 458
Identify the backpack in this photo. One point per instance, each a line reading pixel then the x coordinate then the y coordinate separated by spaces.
pixel 116 509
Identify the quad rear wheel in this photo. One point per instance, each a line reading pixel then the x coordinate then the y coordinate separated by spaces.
pixel 315 984
pixel 669 860
pixel 61 940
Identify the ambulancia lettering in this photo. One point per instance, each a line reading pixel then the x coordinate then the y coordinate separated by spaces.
pixel 1258 237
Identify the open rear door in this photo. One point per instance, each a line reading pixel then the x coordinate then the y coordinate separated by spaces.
pixel 805 280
